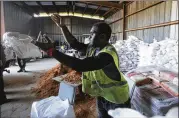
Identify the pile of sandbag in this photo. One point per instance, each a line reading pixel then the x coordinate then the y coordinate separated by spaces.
pixel 128 53
pixel 135 53
pixel 162 54
pixel 130 113
pixel 21 45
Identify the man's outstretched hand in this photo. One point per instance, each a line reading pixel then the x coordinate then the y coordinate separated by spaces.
pixel 44 46
pixel 57 19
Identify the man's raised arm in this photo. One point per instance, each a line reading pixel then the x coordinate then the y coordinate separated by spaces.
pixel 68 36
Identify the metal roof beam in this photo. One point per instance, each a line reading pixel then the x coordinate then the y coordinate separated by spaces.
pixel 28 7
pixel 85 8
pixel 97 10
pixel 108 12
pixel 42 7
pixel 106 3
pixel 73 7
pixel 55 6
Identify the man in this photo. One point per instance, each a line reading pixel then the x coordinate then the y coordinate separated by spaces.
pixel 22 64
pixel 3 98
pixel 101 76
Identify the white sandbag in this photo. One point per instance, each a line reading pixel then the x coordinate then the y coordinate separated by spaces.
pixel 52 107
pixel 131 113
pixel 128 53
pixel 9 53
pixel 22 48
pixel 32 51
pixel 163 53
pixel 25 38
pixel 144 58
pixel 11 34
pixel 167 55
pixel 172 113
pixel 125 113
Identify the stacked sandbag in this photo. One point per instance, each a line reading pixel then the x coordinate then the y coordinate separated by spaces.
pixel 167 55
pixel 144 55
pixel 130 113
pixel 152 100
pixel 21 45
pixel 162 54
pixel 128 53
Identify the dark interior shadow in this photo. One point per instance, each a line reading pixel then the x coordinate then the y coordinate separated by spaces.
pixel 10 100
pixel 16 81
pixel 23 99
pixel 18 91
pixel 28 97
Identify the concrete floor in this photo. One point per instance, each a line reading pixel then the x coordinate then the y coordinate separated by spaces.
pixel 18 88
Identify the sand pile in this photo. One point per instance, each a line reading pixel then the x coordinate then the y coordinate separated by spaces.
pixel 73 77
pixel 46 86
pixel 85 106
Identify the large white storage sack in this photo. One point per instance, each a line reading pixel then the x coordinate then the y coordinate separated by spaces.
pixel 20 43
pixel 52 107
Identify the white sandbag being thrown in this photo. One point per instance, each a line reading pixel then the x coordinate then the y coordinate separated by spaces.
pixel 128 53
pixel 20 43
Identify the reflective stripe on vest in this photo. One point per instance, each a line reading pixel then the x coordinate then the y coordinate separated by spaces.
pixel 109 84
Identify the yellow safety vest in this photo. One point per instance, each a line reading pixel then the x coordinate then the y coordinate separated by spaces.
pixel 97 83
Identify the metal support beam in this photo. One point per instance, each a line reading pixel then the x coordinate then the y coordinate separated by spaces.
pixel 67 8
pixel 108 12
pixel 73 7
pixel 42 7
pixel 124 22
pixel 144 8
pixel 57 10
pixel 105 3
pixel 115 21
pixel 154 26
pixel 97 10
pixel 70 6
pixel 2 24
pixel 128 3
pixel 85 8
pixel 30 9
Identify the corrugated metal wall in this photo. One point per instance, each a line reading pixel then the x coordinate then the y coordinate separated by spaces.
pixel 174 16
pixel 116 26
pixel 16 20
pixel 157 14
pixel 78 27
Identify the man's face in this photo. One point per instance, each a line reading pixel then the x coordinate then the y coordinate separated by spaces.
pixel 94 36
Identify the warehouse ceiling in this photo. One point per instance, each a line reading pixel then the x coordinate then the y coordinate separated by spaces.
pixel 92 9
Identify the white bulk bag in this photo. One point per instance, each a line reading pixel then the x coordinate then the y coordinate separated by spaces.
pixel 22 47
pixel 52 107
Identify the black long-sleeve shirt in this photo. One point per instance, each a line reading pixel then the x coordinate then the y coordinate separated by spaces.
pixel 86 64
